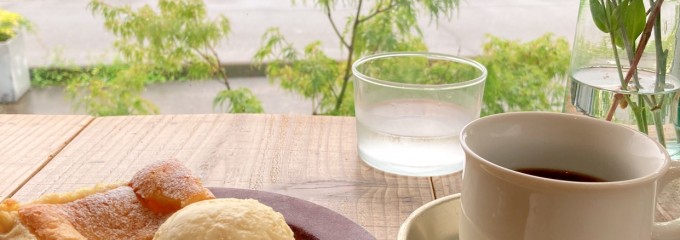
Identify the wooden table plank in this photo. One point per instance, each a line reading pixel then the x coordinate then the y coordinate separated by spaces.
pixel 447 185
pixel 669 202
pixel 309 157
pixel 28 142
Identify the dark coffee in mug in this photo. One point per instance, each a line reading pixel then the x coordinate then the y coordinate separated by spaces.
pixel 499 203
pixel 560 174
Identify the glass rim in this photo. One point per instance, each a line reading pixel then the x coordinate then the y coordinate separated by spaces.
pixel 571 72
pixel 520 117
pixel 429 55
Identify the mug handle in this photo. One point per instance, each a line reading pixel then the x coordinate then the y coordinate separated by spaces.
pixel 668 230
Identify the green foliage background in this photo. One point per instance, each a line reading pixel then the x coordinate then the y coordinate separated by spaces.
pixel 177 38
pixel 178 42
pixel 386 26
pixel 525 76
pixel 522 76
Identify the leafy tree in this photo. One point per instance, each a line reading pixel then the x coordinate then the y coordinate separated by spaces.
pixel 178 37
pixel 388 25
pixel 523 76
pixel 103 96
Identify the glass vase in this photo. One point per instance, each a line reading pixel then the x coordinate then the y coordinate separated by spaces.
pixel 601 83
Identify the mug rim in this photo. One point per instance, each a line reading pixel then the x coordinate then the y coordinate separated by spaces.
pixel 507 173
pixel 430 55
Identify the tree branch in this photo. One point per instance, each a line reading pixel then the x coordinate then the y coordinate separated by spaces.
pixel 350 55
pixel 335 28
pixel 617 100
pixel 366 18
pixel 647 32
pixel 215 61
pixel 219 67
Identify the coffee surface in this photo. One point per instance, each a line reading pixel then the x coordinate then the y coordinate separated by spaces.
pixel 560 174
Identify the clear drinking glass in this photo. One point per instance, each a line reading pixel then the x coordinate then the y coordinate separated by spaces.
pixel 410 108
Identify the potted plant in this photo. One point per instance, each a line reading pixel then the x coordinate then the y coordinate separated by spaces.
pixel 14 76
pixel 624 66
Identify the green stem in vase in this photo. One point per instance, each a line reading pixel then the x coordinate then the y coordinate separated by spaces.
pixel 624 86
pixel 625 21
pixel 658 122
pixel 638 113
pixel 662 55
pixel 661 59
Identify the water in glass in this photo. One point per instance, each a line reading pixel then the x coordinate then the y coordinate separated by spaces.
pixel 419 136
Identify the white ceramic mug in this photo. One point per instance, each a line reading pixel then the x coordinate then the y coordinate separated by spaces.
pixel 499 203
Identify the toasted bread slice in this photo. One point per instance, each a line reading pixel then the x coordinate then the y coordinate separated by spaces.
pixel 132 210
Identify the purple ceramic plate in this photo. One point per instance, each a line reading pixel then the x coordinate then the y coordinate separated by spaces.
pixel 309 221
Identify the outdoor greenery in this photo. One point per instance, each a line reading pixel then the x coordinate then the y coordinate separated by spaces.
pixel 387 25
pixel 524 76
pixel 61 74
pixel 119 95
pixel 10 23
pixel 175 39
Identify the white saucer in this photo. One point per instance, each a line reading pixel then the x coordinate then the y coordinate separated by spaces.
pixel 436 220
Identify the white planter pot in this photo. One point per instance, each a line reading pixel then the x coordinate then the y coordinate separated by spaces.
pixel 14 76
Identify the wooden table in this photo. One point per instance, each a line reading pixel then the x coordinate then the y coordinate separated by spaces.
pixel 308 157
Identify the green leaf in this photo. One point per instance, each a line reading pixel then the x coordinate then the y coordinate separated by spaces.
pixel 628 22
pixel 240 100
pixel 633 17
pixel 599 14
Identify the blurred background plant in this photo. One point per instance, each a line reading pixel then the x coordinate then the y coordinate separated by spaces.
pixel 11 23
pixel 61 70
pixel 522 76
pixel 178 38
pixel 526 76
pixel 175 40
pixel 387 25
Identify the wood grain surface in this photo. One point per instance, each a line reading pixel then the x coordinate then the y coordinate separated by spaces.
pixel 308 157
pixel 447 185
pixel 28 142
pixel 669 202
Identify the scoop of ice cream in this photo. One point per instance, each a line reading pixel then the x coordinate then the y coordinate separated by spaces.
pixel 225 218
